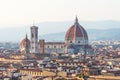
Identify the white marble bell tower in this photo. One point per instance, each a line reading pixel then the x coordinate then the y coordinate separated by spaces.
pixel 34 39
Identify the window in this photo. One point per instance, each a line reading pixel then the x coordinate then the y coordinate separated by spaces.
pixel 32 47
pixel 54 46
pixel 48 47
pixel 32 35
pixel 61 46
pixel 70 41
pixel 36 35
pixel 78 41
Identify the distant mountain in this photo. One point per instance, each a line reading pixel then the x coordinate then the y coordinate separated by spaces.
pixel 107 34
pixel 93 34
pixel 55 31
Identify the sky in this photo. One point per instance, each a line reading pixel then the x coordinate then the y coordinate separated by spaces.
pixel 17 12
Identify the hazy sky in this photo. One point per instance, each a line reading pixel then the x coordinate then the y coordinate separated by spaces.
pixel 14 12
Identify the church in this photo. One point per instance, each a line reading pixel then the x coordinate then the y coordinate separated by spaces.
pixel 76 41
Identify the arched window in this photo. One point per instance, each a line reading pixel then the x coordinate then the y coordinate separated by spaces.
pixel 54 46
pixel 36 35
pixel 70 41
pixel 48 47
pixel 32 35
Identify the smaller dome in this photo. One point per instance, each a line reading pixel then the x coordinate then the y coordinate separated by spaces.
pixel 25 44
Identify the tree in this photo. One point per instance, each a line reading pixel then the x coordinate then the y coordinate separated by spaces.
pixel 85 77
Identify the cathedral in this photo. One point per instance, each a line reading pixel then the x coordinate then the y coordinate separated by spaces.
pixel 76 41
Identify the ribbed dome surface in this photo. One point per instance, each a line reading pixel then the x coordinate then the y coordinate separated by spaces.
pixel 25 43
pixel 76 31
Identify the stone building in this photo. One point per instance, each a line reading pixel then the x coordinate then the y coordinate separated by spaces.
pixel 76 40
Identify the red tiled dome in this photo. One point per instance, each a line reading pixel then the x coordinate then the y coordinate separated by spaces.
pixel 76 31
pixel 25 43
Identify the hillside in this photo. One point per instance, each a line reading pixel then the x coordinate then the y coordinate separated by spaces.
pixel 94 34
pixel 55 31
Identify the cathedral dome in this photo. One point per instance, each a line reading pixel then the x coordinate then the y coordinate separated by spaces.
pixel 76 31
pixel 25 44
pixel 76 38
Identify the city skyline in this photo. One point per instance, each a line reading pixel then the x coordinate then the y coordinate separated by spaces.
pixel 26 12
pixel 18 16
pixel 48 30
pixel 59 40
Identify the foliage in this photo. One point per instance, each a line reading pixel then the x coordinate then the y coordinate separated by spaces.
pixel 85 77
